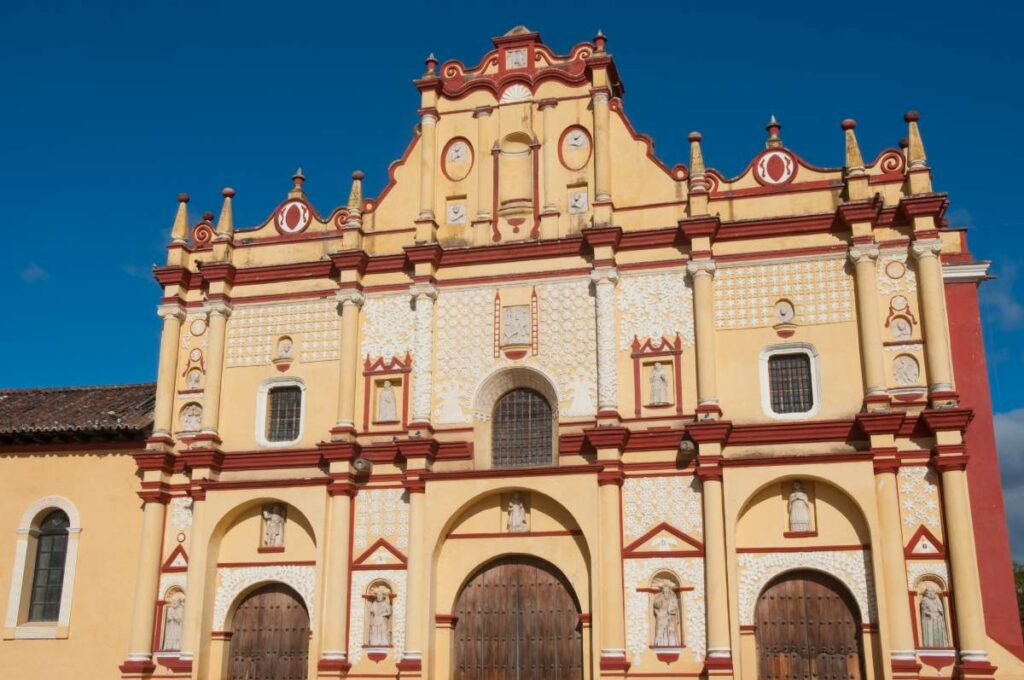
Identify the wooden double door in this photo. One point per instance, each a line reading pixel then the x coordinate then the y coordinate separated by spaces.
pixel 270 636
pixel 518 620
pixel 807 628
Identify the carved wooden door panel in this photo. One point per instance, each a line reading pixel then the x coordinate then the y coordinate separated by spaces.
pixel 518 620
pixel 807 628
pixel 270 636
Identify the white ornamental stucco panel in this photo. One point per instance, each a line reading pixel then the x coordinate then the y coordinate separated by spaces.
pixel 895 278
pixel 821 291
pixel 649 501
pixel 465 348
pixel 361 580
pixel 638 574
pixel 388 326
pixel 919 498
pixel 851 567
pixel 253 331
pixel 233 581
pixel 655 305
pixel 381 513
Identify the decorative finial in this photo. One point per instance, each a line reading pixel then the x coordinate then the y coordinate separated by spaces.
pixel 854 162
pixel 298 178
pixel 696 160
pixel 431 63
pixel 355 196
pixel 916 158
pixel 773 127
pixel 183 198
pixel 226 223
pixel 207 216
pixel 179 228
pixel 600 40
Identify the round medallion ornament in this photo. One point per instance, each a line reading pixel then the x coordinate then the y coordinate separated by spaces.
pixel 196 354
pixel 197 327
pixel 457 159
pixel 899 303
pixel 895 269
pixel 202 234
pixel 775 167
pixel 784 312
pixel 292 217
pixel 574 148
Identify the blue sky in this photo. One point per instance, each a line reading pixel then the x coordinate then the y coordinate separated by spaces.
pixel 109 109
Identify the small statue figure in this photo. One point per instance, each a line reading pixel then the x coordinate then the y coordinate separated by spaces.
pixel 192 418
pixel 799 509
pixel 285 348
pixel 517 515
pixel 933 620
pixel 659 384
pixel 273 526
pixel 387 409
pixel 380 620
pixel 174 613
pixel 666 617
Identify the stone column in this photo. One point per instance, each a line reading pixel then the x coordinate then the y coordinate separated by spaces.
pixel 970 621
pixel 900 632
pixel 350 301
pixel 719 644
pixel 219 312
pixel 550 153
pixel 612 613
pixel 423 295
pixel 163 410
pixel 418 595
pixel 872 361
pixel 482 159
pixel 334 656
pixel 428 161
pixel 702 274
pixel 933 315
pixel 195 583
pixel 604 279
pixel 147 579
pixel 602 146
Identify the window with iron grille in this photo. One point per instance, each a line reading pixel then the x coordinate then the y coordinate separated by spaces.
pixel 48 575
pixel 284 413
pixel 790 382
pixel 521 430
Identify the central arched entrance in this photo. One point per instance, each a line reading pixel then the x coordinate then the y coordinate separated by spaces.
pixel 807 627
pixel 270 636
pixel 518 619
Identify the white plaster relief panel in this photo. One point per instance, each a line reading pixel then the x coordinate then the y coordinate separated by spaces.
pixel 381 513
pixel 821 291
pixel 638 574
pixel 851 567
pixel 174 580
pixel 181 513
pixel 917 569
pixel 361 580
pixel 253 331
pixel 649 501
pixel 895 274
pixel 195 322
pixel 388 326
pixel 232 581
pixel 465 348
pixel 919 497
pixel 655 305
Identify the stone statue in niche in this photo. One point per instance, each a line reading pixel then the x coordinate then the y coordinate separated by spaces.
pixel 192 418
pixel 799 509
pixel 378 632
pixel 666 617
pixel 906 370
pixel 515 325
pixel 273 525
pixel 285 348
pixel 174 612
pixel 193 378
pixel 901 329
pixel 387 408
pixel 517 515
pixel 659 384
pixel 933 619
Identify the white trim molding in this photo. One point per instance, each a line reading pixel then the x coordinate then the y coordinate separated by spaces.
pixel 16 625
pixel 971 271
pixel 262 399
pixel 766 393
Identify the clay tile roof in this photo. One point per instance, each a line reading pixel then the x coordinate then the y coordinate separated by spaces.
pixel 76 413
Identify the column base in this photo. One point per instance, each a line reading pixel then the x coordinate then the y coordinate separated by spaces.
pixel 137 666
pixel 411 665
pixel 975 669
pixel 176 664
pixel 718 664
pixel 333 665
pixel 904 666
pixel 613 663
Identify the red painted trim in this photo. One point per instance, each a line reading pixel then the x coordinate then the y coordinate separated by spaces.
pixel 296 563
pixel 632 550
pixel 523 534
pixel 380 543
pixel 922 532
pixel 561 145
pixel 803 548
pixel 433 476
pixel 166 566
pixel 444 158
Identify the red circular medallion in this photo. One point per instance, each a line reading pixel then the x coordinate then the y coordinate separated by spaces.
pixel 292 217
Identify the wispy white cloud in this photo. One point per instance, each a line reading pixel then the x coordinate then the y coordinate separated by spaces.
pixel 1010 443
pixel 33 273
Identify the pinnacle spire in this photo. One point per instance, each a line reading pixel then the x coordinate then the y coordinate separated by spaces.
pixel 915 148
pixel 773 127
pixel 179 229
pixel 854 162
pixel 226 221
pixel 299 179
pixel 355 196
pixel 696 158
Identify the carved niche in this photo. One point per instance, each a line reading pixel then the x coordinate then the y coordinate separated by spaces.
pixel 272 536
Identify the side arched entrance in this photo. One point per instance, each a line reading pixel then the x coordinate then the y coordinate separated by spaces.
pixel 269 636
pixel 518 619
pixel 807 627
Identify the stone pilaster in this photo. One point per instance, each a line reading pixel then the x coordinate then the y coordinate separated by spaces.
pixel 350 301
pixel 163 410
pixel 933 317
pixel 702 272
pixel 424 295
pixel 604 279
pixel 219 311
pixel 864 259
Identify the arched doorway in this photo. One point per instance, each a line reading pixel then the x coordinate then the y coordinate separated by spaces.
pixel 269 636
pixel 807 627
pixel 518 619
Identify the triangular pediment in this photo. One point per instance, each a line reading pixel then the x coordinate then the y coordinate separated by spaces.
pixel 176 561
pixel 924 545
pixel 381 555
pixel 664 540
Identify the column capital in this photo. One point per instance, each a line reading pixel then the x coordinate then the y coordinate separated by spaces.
pixel 544 104
pixel 945 419
pixel 922 248
pixel 705 267
pixel 601 275
pixel 350 296
pixel 219 307
pixel 427 290
pixel 171 310
pixel 483 111
pixel 709 468
pixel 859 253
pixel 429 116
pixel 600 95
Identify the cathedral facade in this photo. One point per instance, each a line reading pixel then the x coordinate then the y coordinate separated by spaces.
pixel 545 407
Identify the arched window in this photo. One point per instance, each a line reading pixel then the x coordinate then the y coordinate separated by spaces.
pixel 521 430
pixel 48 574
